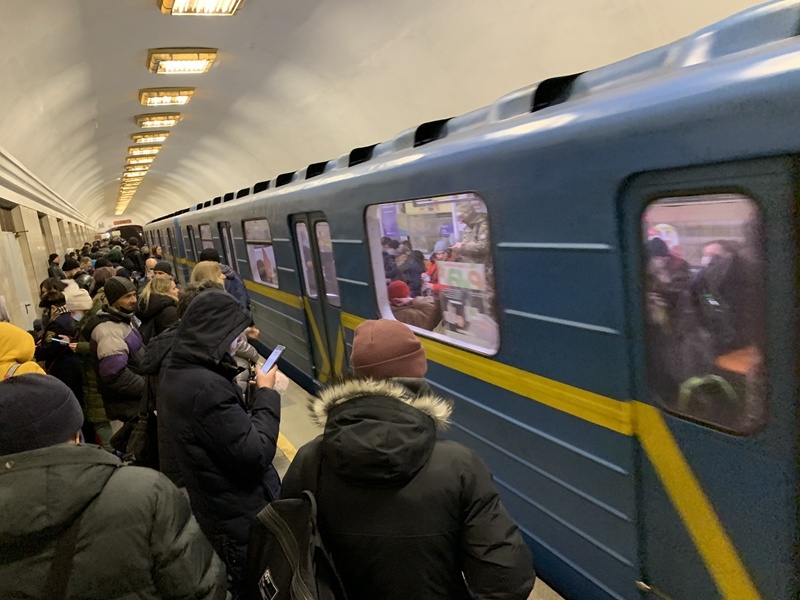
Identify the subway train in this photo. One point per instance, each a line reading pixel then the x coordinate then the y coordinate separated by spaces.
pixel 126 232
pixel 617 293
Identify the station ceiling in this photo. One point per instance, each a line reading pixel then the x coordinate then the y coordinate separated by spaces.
pixel 295 81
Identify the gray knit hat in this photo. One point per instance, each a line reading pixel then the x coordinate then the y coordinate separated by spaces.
pixel 36 411
pixel 116 287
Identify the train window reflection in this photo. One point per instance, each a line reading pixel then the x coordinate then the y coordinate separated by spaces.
pixel 705 309
pixel 304 244
pixel 206 240
pixel 190 247
pixel 325 247
pixel 433 259
pixel 260 253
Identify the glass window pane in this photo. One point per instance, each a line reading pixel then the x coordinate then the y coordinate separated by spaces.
pixel 205 232
pixel 304 245
pixel 436 263
pixel 257 231
pixel 260 252
pixel 227 245
pixel 325 247
pixel 190 250
pixel 705 309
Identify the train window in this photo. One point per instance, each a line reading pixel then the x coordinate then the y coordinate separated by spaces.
pixel 227 245
pixel 260 253
pixel 191 249
pixel 304 243
pixel 705 309
pixel 171 244
pixel 325 247
pixel 206 240
pixel 433 257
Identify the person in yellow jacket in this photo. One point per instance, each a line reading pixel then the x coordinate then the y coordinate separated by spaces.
pixel 16 352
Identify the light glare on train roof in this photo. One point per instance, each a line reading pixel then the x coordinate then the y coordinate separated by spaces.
pixel 165 96
pixel 143 150
pixel 180 61
pixel 157 120
pixel 209 8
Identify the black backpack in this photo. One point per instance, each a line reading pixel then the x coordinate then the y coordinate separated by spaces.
pixel 286 559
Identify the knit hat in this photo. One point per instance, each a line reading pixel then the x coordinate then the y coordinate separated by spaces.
pixel 52 257
pixel 133 241
pixel 36 411
pixel 78 299
pixel 163 266
pixel 210 254
pixel 70 264
pixel 115 255
pixel 116 287
pixel 384 348
pixel 398 289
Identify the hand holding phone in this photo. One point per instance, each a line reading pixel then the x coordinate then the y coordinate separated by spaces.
pixel 59 340
pixel 265 377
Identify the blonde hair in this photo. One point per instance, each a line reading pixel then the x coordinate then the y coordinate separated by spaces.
pixel 159 286
pixel 206 270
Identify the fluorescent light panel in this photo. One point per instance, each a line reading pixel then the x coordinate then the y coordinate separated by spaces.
pixel 180 61
pixel 165 96
pixel 143 150
pixel 151 137
pixel 208 8
pixel 154 120
pixel 139 160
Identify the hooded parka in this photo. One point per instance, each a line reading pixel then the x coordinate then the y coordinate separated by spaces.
pixel 224 452
pixel 404 515
pixel 17 348
pixel 137 538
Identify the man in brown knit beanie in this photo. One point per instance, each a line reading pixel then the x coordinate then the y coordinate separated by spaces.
pixel 390 493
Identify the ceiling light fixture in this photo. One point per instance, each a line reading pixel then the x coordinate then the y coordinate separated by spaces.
pixel 209 8
pixel 151 137
pixel 136 168
pixel 143 150
pixel 139 160
pixel 157 120
pixel 180 61
pixel 133 175
pixel 165 96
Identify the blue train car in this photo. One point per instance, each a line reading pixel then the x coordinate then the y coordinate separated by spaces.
pixel 617 287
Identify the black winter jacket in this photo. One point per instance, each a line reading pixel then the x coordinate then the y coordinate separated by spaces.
pixel 137 538
pixel 224 453
pixel 154 367
pixel 403 514
pixel 161 312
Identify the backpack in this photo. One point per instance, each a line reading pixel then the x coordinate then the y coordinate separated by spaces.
pixel 286 559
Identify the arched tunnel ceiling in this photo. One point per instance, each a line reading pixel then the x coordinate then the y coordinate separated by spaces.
pixel 295 82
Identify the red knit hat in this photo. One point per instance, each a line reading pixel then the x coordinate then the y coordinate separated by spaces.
pixel 384 348
pixel 399 289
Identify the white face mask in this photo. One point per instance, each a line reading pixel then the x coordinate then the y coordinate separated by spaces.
pixel 77 316
pixel 706 260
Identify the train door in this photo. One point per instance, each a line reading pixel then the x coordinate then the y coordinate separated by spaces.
pixel 714 268
pixel 228 251
pixel 172 250
pixel 312 240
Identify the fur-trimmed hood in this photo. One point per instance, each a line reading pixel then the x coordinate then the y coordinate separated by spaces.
pixel 414 392
pixel 379 433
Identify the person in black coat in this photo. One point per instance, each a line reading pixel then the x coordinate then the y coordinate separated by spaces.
pixel 224 452
pixel 402 513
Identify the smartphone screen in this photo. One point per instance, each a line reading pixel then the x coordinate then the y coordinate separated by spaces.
pixel 59 340
pixel 272 359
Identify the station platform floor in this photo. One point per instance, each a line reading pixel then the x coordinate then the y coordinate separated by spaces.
pixel 297 429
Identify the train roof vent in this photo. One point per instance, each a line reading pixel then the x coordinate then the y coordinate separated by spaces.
pixel 246 191
pixel 260 186
pixel 199 206
pixel 284 178
pixel 227 197
pixel 360 155
pixel 469 120
pixel 207 203
pixel 315 169
pixel 552 91
pixel 430 132
pixel 217 200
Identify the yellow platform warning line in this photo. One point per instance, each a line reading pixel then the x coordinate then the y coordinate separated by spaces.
pixel 285 446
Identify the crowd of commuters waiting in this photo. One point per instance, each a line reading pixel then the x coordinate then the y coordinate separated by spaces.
pixel 405 514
